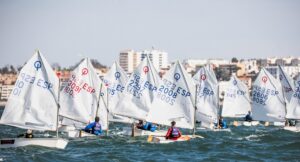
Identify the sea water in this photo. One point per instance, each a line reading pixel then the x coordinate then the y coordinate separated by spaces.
pixel 240 144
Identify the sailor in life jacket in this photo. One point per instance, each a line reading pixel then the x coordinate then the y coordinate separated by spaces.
pixel 248 117
pixel 222 123
pixel 148 126
pixel 28 134
pixel 173 132
pixel 94 127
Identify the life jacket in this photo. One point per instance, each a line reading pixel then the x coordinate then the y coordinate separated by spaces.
pixel 96 128
pixel 175 132
pixel 224 124
pixel 152 127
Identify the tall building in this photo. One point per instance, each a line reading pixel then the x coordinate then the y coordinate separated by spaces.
pixel 129 59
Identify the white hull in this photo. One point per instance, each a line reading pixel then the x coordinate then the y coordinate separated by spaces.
pixel 279 123
pixel 72 132
pixel 161 139
pixel 245 123
pixel 214 129
pixel 78 134
pixel 293 129
pixel 252 123
pixel 45 142
pixel 138 132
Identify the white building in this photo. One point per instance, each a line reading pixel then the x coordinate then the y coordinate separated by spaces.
pixel 5 91
pixel 191 64
pixel 250 65
pixel 129 59
pixel 218 62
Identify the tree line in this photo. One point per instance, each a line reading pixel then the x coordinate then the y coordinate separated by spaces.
pixel 10 69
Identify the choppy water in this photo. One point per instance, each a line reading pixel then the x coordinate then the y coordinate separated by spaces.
pixel 242 144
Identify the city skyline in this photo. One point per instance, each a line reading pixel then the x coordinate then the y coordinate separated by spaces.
pixel 66 31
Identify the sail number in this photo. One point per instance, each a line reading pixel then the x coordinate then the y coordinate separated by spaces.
pixel 74 87
pixel 260 94
pixel 26 78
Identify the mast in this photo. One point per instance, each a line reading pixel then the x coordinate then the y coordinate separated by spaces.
pixel 99 97
pixel 107 101
pixel 196 95
pixel 58 105
pixel 218 106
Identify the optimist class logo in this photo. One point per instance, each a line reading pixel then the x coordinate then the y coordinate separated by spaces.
pixel 234 82
pixel 264 79
pixel 37 65
pixel 146 69
pixel 176 76
pixel 117 75
pixel 84 71
pixel 203 77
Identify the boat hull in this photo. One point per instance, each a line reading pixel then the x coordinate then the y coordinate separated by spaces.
pixel 160 139
pixel 292 129
pixel 45 142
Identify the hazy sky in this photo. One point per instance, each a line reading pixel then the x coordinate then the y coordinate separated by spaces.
pixel 66 30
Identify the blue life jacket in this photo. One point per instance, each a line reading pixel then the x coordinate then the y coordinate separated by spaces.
pixel 224 124
pixel 95 128
pixel 175 132
pixel 152 127
pixel 149 126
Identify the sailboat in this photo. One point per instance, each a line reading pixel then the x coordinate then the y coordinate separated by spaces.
pixel 174 101
pixel 115 81
pixel 33 104
pixel 236 102
pixel 293 108
pixel 80 100
pixel 138 96
pixel 268 102
pixel 207 98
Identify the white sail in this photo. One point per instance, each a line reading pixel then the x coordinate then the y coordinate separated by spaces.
pixel 115 81
pixel 102 109
pixel 207 96
pixel 236 99
pixel 79 98
pixel 287 84
pixel 174 99
pixel 293 107
pixel 139 92
pixel 33 101
pixel 267 96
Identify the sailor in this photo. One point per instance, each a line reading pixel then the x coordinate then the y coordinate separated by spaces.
pixel 140 125
pixel 173 132
pixel 248 117
pixel 222 123
pixel 28 134
pixel 94 127
pixel 148 126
